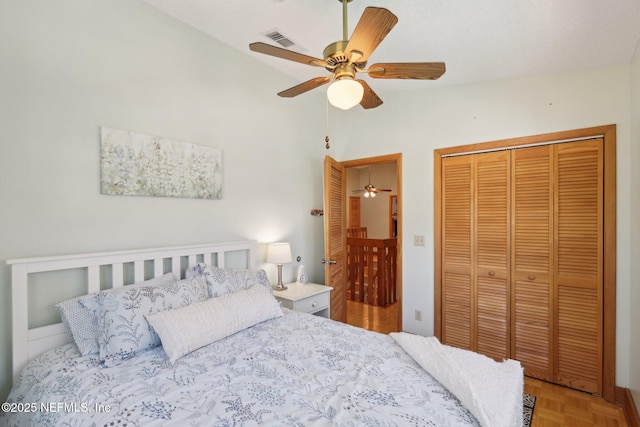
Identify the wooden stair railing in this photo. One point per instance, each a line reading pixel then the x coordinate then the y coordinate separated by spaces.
pixel 360 232
pixel 372 270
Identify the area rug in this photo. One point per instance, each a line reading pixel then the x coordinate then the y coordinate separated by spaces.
pixel 528 403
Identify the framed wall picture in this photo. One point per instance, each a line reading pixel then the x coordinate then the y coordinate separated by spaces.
pixel 136 164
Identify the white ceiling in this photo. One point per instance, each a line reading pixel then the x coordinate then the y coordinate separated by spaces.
pixel 478 40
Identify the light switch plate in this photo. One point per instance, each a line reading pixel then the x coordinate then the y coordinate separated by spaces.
pixel 418 240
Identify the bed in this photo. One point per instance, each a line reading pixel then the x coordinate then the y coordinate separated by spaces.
pixel 226 354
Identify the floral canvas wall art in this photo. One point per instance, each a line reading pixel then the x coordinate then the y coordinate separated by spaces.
pixel 135 164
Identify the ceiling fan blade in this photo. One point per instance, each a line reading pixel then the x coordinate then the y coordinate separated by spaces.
pixel 305 87
pixel 370 99
pixel 407 70
pixel 375 23
pixel 278 52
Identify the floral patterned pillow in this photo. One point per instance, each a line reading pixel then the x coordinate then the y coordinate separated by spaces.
pixel 222 281
pixel 82 324
pixel 123 329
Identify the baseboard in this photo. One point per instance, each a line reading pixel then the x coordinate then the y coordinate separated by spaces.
pixel 625 400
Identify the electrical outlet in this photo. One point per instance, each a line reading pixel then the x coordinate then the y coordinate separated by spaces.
pixel 418 240
pixel 419 315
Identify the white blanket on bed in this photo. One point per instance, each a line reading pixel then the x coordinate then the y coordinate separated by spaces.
pixel 492 391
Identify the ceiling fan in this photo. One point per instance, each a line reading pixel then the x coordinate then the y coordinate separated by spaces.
pixel 370 190
pixel 347 57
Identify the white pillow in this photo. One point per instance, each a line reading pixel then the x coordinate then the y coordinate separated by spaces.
pixel 188 328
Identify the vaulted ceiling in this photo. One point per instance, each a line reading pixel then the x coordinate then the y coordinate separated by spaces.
pixel 478 40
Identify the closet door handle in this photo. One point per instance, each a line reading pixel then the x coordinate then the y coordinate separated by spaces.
pixel 492 273
pixel 532 277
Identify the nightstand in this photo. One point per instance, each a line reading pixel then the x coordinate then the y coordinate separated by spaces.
pixel 308 297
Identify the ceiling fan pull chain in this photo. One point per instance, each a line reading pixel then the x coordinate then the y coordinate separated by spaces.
pixel 326 138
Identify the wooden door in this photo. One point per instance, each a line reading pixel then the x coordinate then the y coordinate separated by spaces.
pixel 562 252
pixel 475 238
pixel 458 311
pixel 491 255
pixel 532 260
pixel 335 240
pixel 578 266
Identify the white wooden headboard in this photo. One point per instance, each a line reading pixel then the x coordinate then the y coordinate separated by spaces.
pixel 29 342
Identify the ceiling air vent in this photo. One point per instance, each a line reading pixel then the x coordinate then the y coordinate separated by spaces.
pixel 279 38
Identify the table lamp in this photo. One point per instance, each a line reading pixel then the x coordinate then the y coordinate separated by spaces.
pixel 278 254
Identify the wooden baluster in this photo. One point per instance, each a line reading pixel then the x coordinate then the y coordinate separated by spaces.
pixel 361 271
pixel 394 274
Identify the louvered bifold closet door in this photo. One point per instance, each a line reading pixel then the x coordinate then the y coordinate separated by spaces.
pixel 532 260
pixel 458 314
pixel 491 253
pixel 578 264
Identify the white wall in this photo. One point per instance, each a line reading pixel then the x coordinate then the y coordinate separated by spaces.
pixel 416 123
pixel 634 177
pixel 70 66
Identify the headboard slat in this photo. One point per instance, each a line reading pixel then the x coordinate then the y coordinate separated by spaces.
pixel 175 266
pixel 138 271
pixel 93 279
pixel 158 267
pixel 117 275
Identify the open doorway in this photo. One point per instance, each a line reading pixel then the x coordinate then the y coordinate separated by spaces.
pixel 374 220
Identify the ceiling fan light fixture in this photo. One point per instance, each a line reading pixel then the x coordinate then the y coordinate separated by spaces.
pixel 345 93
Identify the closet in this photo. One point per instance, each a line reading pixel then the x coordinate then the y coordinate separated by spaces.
pixel 520 250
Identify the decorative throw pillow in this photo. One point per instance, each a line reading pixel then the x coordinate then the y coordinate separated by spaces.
pixel 82 325
pixel 189 328
pixel 123 329
pixel 222 281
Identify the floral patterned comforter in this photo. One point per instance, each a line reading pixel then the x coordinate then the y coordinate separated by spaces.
pixel 296 370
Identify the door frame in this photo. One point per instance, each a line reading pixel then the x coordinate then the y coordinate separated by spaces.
pixel 397 159
pixel 608 133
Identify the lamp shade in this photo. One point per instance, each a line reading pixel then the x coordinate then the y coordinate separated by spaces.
pixel 345 93
pixel 279 253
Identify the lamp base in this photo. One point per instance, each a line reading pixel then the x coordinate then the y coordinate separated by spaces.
pixel 280 286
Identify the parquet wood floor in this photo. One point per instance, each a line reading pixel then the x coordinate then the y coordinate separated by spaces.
pixel 561 406
pixel 373 318
pixel 556 406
